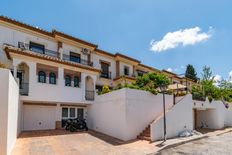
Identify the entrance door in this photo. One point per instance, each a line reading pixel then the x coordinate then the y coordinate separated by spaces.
pixel 195 119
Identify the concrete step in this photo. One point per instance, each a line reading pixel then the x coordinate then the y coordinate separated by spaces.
pixel 144 138
pixel 145 134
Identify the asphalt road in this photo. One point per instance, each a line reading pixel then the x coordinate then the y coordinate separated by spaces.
pixel 216 145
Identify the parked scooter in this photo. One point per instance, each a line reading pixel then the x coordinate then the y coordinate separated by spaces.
pixel 78 123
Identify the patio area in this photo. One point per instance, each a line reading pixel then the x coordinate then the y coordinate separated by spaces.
pixel 60 142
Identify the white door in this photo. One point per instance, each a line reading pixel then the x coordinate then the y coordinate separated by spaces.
pixel 37 117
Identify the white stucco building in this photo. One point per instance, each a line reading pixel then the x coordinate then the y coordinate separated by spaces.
pixel 51 77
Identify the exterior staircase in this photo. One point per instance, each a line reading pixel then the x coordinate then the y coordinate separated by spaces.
pixel 145 134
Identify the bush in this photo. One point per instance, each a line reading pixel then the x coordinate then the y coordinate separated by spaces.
pixel 210 98
pixel 105 89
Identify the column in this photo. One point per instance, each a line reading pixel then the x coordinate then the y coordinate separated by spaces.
pixel 60 49
pixel 58 116
pixel 83 75
pixel 61 77
pixel 15 71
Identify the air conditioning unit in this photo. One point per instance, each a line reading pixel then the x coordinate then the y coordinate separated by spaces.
pixel 85 51
pixel 23 45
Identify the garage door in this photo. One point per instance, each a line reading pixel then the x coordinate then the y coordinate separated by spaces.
pixel 37 117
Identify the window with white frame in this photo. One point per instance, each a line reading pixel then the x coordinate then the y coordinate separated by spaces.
pixel 71 113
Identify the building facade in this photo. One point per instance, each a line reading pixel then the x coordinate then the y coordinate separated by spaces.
pixel 59 75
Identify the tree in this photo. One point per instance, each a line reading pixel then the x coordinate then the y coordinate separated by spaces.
pixel 207 74
pixel 191 73
pixel 151 81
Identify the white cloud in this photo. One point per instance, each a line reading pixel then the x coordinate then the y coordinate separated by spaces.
pixel 230 76
pixel 217 79
pixel 181 37
pixel 169 69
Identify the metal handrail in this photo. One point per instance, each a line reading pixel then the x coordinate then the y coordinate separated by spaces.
pixel 106 75
pixel 82 61
pixel 26 46
pixel 24 89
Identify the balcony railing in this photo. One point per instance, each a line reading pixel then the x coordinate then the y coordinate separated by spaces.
pixel 24 89
pixel 26 46
pixel 106 75
pixel 89 95
pixel 81 61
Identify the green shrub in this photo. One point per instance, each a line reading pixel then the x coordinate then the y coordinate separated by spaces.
pixel 105 89
pixel 210 98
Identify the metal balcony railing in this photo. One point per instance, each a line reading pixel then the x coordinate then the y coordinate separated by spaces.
pixel 80 61
pixel 24 89
pixel 106 75
pixel 89 95
pixel 26 46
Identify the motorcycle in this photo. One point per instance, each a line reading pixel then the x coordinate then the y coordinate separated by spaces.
pixel 73 125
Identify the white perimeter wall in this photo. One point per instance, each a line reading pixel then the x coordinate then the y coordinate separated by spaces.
pixel 179 118
pixel 210 114
pixel 125 113
pixel 9 111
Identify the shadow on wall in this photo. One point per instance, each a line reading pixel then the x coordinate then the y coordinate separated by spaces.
pixel 126 112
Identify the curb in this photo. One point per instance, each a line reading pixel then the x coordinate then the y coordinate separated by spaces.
pixel 187 141
pixel 177 144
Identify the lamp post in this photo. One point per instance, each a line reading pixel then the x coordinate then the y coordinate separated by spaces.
pixel 163 89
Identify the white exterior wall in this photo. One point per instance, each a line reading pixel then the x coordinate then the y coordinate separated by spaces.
pixel 9 112
pixel 122 64
pixel 228 116
pixel 11 36
pixel 59 93
pixel 96 63
pixel 125 113
pixel 212 114
pixel 67 49
pixel 179 118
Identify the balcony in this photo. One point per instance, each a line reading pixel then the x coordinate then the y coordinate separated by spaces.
pixel 89 95
pixel 80 61
pixel 24 89
pixel 106 75
pixel 26 46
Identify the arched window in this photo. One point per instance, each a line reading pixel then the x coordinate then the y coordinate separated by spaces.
pixel 52 78
pixel 42 77
pixel 67 80
pixel 76 81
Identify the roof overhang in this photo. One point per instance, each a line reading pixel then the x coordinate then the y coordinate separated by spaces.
pixel 11 51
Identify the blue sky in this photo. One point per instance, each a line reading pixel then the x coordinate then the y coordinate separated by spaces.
pixel 130 26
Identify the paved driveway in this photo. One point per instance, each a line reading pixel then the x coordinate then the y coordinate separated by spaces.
pixel 59 142
pixel 216 145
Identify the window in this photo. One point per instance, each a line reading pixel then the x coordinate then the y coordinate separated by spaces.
pixel 67 80
pixel 37 47
pixel 52 78
pixel 72 112
pixel 126 70
pixel 75 57
pixel 64 112
pixel 42 77
pixel 76 81
pixel 105 70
